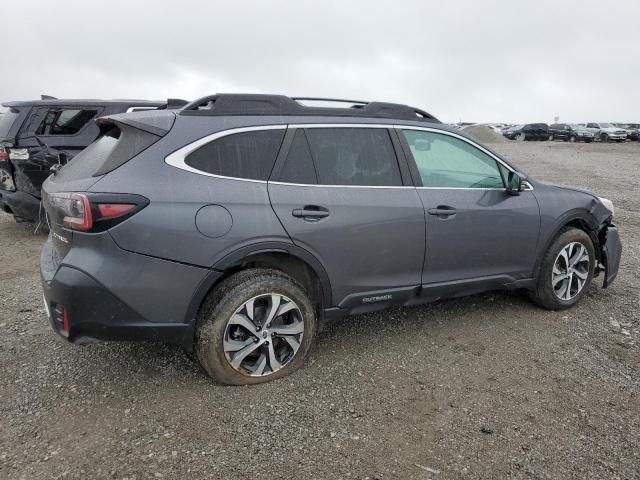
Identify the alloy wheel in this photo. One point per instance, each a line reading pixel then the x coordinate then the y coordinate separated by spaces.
pixel 570 271
pixel 263 335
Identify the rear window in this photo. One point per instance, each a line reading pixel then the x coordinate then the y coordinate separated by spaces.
pixel 65 121
pixel 6 121
pixel 112 149
pixel 249 155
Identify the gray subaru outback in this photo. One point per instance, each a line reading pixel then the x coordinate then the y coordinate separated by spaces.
pixel 233 225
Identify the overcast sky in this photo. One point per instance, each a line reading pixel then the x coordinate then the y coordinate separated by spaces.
pixel 469 60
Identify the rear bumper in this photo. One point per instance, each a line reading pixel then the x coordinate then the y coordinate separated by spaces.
pixel 20 204
pixel 96 311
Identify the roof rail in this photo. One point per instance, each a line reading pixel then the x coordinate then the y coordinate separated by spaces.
pixel 260 104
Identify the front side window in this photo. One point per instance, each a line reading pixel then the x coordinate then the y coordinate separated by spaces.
pixel 249 155
pixel 65 121
pixel 444 161
pixel 354 156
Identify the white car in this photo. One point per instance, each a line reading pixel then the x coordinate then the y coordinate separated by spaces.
pixel 606 132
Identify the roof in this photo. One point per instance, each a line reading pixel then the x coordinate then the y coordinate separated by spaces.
pixel 260 104
pixel 63 102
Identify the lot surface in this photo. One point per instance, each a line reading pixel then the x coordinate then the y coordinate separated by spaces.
pixel 483 387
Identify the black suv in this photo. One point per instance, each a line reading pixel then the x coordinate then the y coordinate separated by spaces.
pixel 530 131
pixel 35 135
pixel 236 223
pixel 570 133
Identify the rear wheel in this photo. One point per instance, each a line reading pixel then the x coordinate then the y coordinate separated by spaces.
pixel 257 326
pixel 566 270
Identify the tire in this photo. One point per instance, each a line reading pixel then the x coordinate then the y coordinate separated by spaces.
pixel 550 137
pixel 215 331
pixel 521 137
pixel 572 139
pixel 588 141
pixel 544 293
pixel 604 138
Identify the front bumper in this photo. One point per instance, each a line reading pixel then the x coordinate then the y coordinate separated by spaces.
pixel 108 294
pixel 611 255
pixel 21 205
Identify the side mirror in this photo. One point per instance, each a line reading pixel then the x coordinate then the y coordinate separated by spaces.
pixel 514 184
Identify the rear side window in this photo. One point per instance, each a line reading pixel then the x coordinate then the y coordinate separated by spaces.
pixel 112 149
pixel 354 156
pixel 298 167
pixel 249 155
pixel 65 121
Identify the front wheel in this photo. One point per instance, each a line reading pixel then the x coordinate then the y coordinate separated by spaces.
pixel 604 138
pixel 566 270
pixel 256 326
pixel 521 137
pixel 572 139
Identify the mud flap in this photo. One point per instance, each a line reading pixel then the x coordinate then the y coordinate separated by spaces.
pixel 611 254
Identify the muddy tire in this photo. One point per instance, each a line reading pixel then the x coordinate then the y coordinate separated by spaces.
pixel 257 326
pixel 566 270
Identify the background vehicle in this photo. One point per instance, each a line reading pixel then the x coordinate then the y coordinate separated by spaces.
pixel 631 129
pixel 570 133
pixel 233 224
pixel 529 131
pixel 605 132
pixel 35 135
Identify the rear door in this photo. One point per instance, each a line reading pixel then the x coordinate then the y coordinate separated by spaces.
pixel 342 194
pixel 476 231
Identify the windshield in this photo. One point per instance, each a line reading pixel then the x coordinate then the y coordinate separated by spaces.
pixel 606 125
pixel 6 121
pixel 575 126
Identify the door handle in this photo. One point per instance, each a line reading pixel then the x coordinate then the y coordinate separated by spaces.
pixel 442 211
pixel 311 212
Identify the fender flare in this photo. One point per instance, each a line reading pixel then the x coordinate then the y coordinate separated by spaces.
pixel 569 216
pixel 238 256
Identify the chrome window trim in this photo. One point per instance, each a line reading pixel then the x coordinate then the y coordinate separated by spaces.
pixel 177 158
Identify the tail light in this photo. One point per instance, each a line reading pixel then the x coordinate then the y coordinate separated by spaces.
pixel 95 212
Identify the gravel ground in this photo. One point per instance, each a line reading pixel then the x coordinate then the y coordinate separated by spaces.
pixel 487 386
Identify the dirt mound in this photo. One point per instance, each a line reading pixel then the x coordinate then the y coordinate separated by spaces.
pixel 484 134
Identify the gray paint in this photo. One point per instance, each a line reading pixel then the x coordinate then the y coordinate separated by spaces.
pixel 376 247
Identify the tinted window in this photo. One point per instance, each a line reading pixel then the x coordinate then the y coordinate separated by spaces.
pixel 111 150
pixel 248 155
pixel 446 161
pixel 298 167
pixel 7 119
pixel 65 122
pixel 354 156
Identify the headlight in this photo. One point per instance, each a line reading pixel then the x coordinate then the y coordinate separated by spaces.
pixel 607 203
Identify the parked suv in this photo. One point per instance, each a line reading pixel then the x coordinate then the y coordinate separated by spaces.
pixel 631 129
pixel 570 133
pixel 234 224
pixel 35 135
pixel 606 132
pixel 530 131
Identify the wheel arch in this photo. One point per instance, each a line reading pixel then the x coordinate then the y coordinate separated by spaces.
pixel 296 262
pixel 581 219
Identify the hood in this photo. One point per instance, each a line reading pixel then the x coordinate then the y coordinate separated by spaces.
pixel 576 189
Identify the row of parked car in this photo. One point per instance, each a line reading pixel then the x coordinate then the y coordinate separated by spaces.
pixel 572 132
pixel 38 135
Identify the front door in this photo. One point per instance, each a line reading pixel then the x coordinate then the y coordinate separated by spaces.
pixel 476 231
pixel 341 195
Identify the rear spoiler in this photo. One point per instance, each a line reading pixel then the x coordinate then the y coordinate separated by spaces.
pixel 156 122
